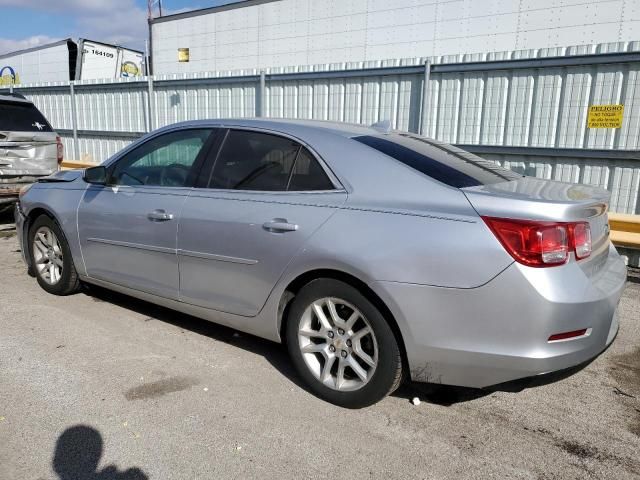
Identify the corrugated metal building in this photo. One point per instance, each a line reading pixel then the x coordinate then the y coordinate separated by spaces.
pixel 277 33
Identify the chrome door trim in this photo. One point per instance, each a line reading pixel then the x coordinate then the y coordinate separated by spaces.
pixel 220 258
pixel 139 246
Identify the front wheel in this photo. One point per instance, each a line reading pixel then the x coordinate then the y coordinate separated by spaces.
pixel 51 258
pixel 341 345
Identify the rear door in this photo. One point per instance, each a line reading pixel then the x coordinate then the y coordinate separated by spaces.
pixel 128 228
pixel 27 141
pixel 264 198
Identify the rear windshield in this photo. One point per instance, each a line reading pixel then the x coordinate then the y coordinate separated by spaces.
pixel 447 164
pixel 22 117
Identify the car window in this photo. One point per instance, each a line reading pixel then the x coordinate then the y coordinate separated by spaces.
pixel 308 174
pixel 447 164
pixel 251 160
pixel 22 117
pixel 254 161
pixel 164 161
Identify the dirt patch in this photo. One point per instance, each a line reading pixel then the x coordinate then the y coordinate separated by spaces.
pixel 579 450
pixel 626 371
pixel 585 452
pixel 160 388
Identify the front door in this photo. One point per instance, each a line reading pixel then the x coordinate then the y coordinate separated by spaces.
pixel 128 227
pixel 266 196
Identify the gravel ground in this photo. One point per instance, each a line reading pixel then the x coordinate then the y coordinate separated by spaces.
pixel 146 392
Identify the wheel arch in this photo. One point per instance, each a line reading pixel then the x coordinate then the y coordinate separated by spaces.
pixel 303 279
pixel 31 217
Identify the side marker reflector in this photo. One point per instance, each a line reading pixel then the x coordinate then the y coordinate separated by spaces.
pixel 567 335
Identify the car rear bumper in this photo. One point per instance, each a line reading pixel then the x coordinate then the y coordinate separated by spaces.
pixel 499 332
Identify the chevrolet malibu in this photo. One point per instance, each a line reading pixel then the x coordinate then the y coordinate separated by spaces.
pixel 374 255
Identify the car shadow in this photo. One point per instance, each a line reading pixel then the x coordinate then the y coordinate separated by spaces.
pixel 7 226
pixel 447 395
pixel 274 353
pixel 437 394
pixel 6 216
pixel 77 456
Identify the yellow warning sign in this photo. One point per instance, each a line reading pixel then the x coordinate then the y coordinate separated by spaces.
pixel 605 116
pixel 183 54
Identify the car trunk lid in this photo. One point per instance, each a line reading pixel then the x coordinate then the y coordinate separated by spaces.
pixel 531 198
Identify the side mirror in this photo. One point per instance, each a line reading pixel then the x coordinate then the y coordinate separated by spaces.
pixel 96 175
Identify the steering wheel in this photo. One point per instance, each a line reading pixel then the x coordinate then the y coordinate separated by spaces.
pixel 174 175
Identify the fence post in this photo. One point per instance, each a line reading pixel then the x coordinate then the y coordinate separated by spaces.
pixel 74 121
pixel 150 109
pixel 263 88
pixel 11 88
pixel 424 115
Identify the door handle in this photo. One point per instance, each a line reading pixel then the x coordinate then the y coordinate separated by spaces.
pixel 279 225
pixel 159 216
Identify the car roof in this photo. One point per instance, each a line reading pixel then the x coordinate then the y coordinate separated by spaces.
pixel 286 126
pixel 13 98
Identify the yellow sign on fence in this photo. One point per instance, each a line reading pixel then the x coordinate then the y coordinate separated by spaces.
pixel 605 116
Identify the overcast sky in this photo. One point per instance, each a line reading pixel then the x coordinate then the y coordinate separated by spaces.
pixel 28 23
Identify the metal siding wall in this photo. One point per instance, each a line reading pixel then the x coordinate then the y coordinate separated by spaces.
pixel 574 103
pixel 120 109
pixel 530 107
pixel 94 147
pixel 306 32
pixel 55 104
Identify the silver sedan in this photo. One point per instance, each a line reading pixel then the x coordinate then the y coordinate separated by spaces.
pixel 374 255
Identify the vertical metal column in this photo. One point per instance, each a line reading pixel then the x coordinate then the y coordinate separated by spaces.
pixel 424 114
pixel 262 93
pixel 150 106
pixel 74 121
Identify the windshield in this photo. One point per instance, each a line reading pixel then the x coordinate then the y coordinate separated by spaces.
pixel 447 164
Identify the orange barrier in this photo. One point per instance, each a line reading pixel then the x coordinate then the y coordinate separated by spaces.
pixel 625 230
pixel 71 165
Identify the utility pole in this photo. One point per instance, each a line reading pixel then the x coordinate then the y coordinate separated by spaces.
pixel 150 15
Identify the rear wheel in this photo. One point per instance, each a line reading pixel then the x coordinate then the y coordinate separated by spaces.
pixel 51 258
pixel 341 345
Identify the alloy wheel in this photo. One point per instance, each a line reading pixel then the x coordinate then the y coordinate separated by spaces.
pixel 47 254
pixel 338 344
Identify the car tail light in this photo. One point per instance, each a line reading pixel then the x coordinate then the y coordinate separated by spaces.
pixel 60 150
pixel 582 239
pixel 541 244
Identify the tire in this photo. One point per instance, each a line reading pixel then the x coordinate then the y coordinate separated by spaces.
pixel 324 341
pixel 51 254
